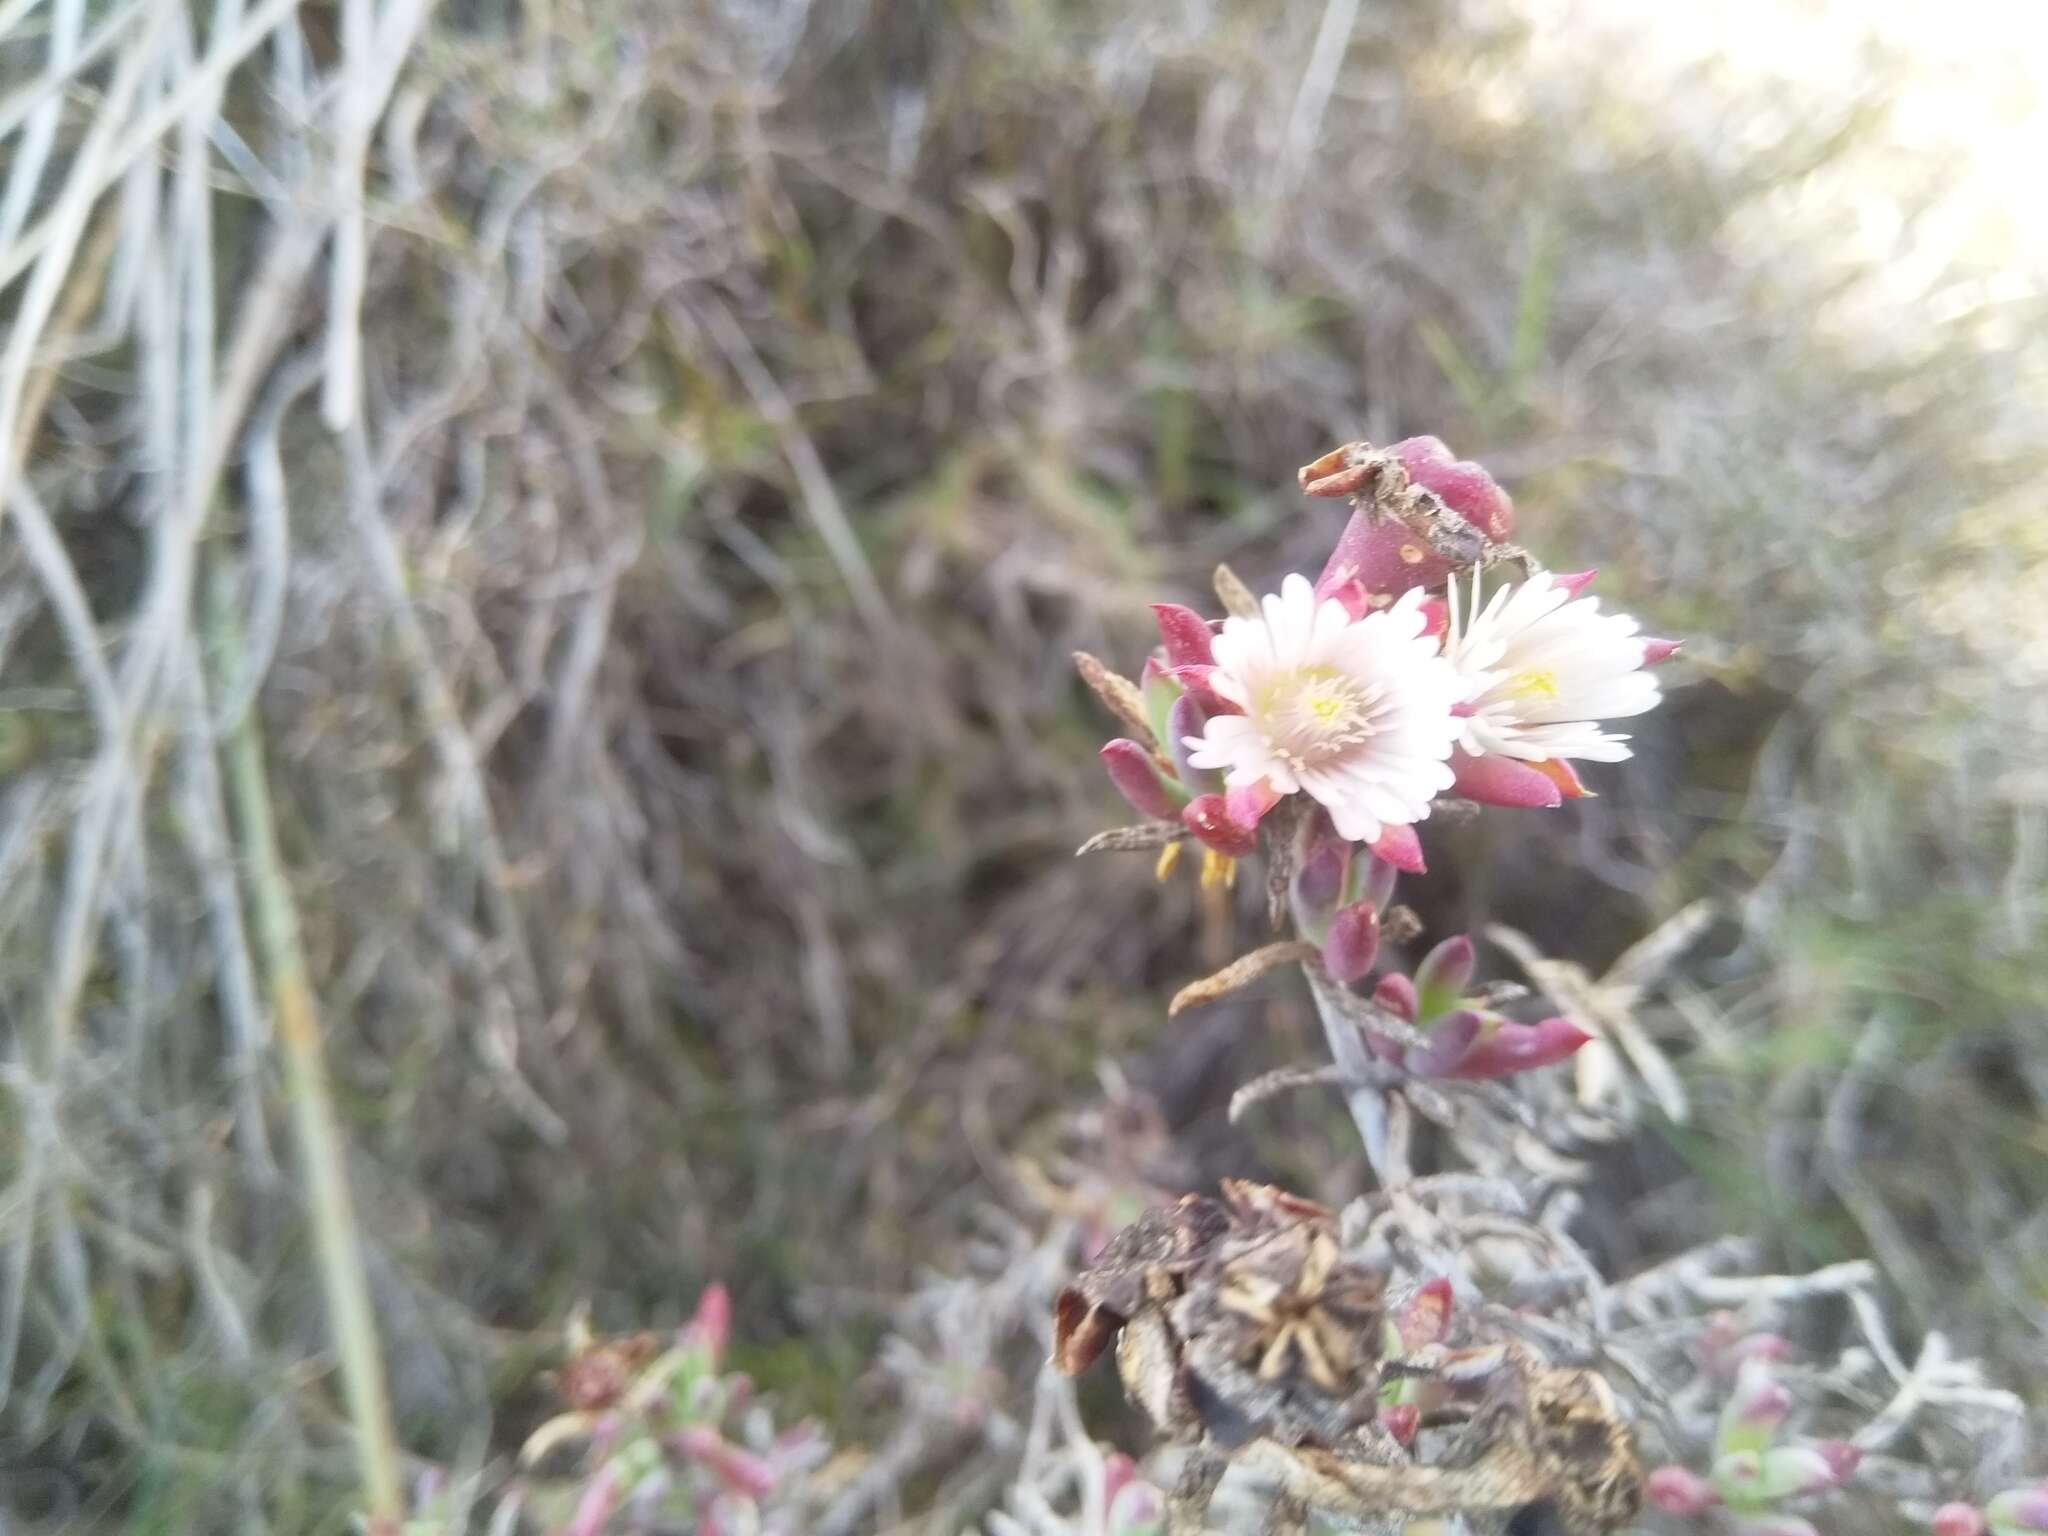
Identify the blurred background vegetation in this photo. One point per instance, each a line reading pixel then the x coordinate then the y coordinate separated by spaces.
pixel 628 477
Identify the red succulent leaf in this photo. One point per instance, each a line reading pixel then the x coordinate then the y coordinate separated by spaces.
pixel 1513 1048
pixel 1136 776
pixel 1445 973
pixel 1396 994
pixel 1451 1039
pixel 1186 633
pixel 1353 942
pixel 1208 818
pixel 711 1324
pixel 741 1471
pixel 1401 1420
pixel 1196 679
pixel 1496 780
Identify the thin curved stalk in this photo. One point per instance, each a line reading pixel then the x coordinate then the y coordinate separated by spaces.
pixel 297 1022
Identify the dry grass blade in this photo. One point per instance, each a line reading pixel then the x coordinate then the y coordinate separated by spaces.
pixel 1233 594
pixel 322 1151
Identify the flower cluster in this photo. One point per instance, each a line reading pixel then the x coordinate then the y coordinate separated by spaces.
pixel 1753 1474
pixel 1461 1036
pixel 1130 1505
pixel 1394 679
pixel 669 1438
pixel 1339 896
pixel 2016 1512
pixel 1421 1324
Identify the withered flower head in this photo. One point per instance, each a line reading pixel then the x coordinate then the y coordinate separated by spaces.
pixel 1281 1332
pixel 1300 1309
pixel 1245 1318
pixel 1579 1431
pixel 598 1375
pixel 1143 1263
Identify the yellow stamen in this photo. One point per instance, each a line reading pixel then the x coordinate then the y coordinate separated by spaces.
pixel 1169 861
pixel 1217 870
pixel 1538 683
pixel 1327 706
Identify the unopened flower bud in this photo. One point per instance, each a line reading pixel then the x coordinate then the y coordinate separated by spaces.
pixel 1426 1316
pixel 1396 993
pixel 1353 943
pixel 1681 1491
pixel 1843 1457
pixel 1117 1470
pixel 1959 1519
pixel 1377 557
pixel 2018 1512
pixel 1738 1475
pixel 1793 1470
pixel 1401 1420
pixel 1723 1346
pixel 1756 1346
pixel 1656 651
pixel 1755 1408
pixel 1136 776
pixel 1137 1509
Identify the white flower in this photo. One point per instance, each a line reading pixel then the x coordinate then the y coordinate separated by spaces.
pixel 1542 668
pixel 1354 713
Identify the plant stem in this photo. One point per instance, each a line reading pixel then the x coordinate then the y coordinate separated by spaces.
pixel 320 1150
pixel 1382 1121
pixel 1367 1105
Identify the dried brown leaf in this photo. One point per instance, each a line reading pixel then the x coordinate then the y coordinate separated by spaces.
pixel 1142 838
pixel 1241 972
pixel 1281 1080
pixel 1234 595
pixel 1119 694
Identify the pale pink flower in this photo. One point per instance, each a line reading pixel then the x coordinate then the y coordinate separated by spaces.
pixel 1355 713
pixel 1542 667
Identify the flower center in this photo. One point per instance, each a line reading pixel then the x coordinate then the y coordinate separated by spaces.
pixel 1315 714
pixel 1537 683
